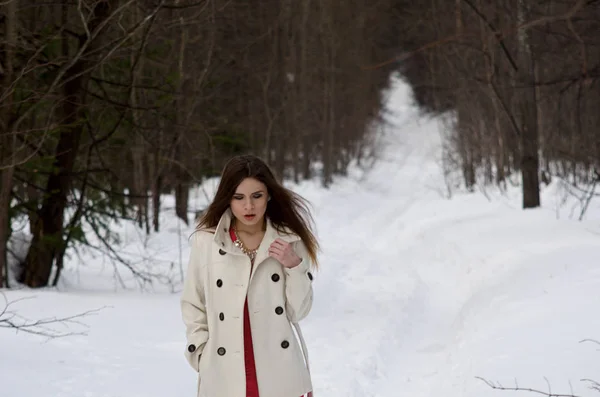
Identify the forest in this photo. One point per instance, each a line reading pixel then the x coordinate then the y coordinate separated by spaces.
pixel 106 105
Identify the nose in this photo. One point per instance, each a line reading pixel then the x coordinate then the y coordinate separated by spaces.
pixel 248 204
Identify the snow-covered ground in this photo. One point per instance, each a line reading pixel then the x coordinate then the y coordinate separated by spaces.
pixel 417 295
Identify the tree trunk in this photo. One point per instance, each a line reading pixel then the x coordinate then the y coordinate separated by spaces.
pixel 500 150
pixel 157 179
pixel 7 140
pixel 48 229
pixel 466 147
pixel 5 220
pixel 182 187
pixel 181 182
pixel 303 81
pixel 329 98
pixel 281 106
pixel 139 145
pixel 529 120
pixel 182 196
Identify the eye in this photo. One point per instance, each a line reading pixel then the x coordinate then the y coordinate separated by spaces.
pixel 238 197
pixel 257 195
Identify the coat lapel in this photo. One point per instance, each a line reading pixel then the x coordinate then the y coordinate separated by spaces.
pixel 223 240
pixel 271 234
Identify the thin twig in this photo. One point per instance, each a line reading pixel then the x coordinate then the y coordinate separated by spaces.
pixel 11 320
pixel 517 388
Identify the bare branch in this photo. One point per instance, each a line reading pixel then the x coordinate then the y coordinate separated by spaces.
pixel 46 327
pixel 517 388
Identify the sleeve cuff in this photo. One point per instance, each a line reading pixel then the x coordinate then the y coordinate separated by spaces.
pixel 193 352
pixel 301 269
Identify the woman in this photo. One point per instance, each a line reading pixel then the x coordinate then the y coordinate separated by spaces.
pixel 248 281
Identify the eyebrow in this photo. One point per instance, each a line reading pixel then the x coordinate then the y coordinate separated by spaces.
pixel 258 191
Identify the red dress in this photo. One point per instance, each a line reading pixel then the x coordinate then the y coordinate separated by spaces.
pixel 251 381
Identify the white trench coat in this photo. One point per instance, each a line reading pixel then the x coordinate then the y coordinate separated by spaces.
pixel 212 304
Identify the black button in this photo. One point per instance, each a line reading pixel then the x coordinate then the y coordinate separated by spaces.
pixel 275 277
pixel 279 310
pixel 221 317
pixel 221 351
pixel 222 252
pixel 310 275
pixel 191 348
pixel 285 344
pixel 219 283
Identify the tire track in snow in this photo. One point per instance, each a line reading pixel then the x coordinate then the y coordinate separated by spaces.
pixel 360 289
pixel 422 354
pixel 373 303
pixel 376 298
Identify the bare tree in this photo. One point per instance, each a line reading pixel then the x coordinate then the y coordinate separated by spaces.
pixel 120 102
pixel 519 80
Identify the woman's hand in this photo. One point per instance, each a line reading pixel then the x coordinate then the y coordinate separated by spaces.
pixel 284 253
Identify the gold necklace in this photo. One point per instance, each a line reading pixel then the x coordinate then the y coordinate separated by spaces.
pixel 238 243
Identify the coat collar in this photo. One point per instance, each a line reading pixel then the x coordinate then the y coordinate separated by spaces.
pixel 223 240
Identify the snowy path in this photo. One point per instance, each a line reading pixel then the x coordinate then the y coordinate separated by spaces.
pixel 384 328
pixel 409 276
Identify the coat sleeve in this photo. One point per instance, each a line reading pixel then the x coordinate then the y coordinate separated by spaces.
pixel 298 286
pixel 193 303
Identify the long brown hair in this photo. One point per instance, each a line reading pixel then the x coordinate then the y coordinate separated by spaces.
pixel 285 209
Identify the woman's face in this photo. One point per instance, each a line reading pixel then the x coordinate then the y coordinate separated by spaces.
pixel 249 202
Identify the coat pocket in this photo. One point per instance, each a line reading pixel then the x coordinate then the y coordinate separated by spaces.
pixel 204 375
pixel 201 361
